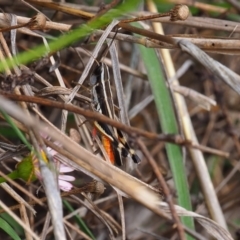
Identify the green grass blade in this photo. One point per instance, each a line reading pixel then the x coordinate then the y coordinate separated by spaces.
pixel 8 229
pixel 17 131
pixel 72 36
pixel 15 225
pixel 168 122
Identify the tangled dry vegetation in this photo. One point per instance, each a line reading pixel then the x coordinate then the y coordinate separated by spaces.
pixel 184 123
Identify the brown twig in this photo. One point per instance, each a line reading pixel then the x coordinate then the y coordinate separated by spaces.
pixel 164 187
pixel 96 116
pixel 132 131
pixel 179 12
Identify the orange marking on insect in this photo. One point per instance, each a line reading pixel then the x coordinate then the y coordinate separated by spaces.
pixel 94 132
pixel 107 144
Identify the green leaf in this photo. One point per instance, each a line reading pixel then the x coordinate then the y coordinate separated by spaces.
pixel 8 229
pixel 169 125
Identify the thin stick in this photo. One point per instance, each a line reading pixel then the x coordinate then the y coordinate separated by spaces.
pixel 177 139
pixel 164 186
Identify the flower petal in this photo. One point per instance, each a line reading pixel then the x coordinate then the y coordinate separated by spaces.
pixel 64 168
pixel 66 178
pixel 51 151
pixel 65 186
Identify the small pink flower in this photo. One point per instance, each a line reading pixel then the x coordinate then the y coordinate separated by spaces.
pixel 63 180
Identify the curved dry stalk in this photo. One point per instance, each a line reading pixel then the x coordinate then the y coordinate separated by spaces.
pixel 212 227
pixel 218 69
